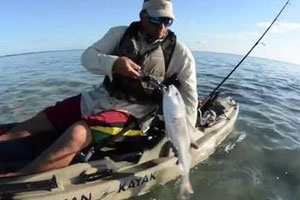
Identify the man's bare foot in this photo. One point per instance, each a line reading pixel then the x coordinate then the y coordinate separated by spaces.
pixel 194 145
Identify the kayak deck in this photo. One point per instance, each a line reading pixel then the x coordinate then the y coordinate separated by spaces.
pixel 107 179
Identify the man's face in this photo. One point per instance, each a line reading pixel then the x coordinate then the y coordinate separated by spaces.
pixel 156 27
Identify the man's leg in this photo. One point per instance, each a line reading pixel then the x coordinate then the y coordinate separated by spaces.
pixel 55 118
pixel 37 124
pixel 62 152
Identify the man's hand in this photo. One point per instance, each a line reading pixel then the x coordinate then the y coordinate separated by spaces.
pixel 193 145
pixel 126 67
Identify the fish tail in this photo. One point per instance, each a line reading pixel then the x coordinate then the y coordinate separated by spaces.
pixel 186 189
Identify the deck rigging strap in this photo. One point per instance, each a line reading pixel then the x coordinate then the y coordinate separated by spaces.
pixel 13 188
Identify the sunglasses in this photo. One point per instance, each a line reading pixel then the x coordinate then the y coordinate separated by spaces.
pixel 160 20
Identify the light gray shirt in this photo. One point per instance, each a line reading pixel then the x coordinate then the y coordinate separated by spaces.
pixel 98 59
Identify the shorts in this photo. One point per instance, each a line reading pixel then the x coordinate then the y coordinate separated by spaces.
pixel 109 123
pixel 64 113
pixel 102 125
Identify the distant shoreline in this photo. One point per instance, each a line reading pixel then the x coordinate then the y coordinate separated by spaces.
pixel 38 52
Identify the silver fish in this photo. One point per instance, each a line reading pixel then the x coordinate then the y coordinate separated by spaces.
pixel 177 131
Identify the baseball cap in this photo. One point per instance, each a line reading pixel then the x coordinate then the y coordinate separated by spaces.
pixel 159 8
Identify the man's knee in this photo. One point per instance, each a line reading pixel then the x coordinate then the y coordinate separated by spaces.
pixel 79 134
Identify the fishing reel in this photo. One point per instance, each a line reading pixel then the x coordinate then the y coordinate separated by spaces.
pixel 156 92
pixel 159 87
pixel 206 116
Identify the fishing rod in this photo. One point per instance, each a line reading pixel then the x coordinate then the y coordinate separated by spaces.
pixel 214 94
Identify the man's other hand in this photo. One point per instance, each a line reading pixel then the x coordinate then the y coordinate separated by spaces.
pixel 126 67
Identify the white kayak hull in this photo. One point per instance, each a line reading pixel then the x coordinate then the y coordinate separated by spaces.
pixel 156 166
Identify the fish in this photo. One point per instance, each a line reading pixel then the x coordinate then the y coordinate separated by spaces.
pixel 177 129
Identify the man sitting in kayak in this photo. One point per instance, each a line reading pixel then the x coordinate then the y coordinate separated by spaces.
pixel 122 55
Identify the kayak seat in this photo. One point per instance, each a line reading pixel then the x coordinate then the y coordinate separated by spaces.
pixel 131 148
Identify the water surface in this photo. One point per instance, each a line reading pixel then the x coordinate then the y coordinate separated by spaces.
pixel 260 159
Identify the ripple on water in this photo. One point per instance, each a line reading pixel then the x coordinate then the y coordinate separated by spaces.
pixel 258 117
pixel 264 165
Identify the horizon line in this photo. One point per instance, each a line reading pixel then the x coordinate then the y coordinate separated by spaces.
pixel 49 51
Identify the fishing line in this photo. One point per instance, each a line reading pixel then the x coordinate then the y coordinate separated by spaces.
pixel 213 95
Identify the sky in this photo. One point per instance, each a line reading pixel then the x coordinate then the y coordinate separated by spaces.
pixel 227 26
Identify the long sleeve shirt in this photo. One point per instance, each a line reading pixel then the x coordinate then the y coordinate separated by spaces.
pixel 98 59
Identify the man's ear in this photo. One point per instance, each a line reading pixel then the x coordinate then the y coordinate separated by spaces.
pixel 143 15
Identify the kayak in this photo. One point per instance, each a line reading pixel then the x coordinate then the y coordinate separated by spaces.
pixel 110 178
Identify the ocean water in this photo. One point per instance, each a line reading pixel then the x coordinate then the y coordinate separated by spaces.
pixel 259 161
